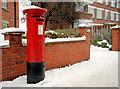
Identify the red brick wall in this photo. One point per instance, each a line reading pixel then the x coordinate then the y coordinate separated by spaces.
pixel 62 54
pixel 56 55
pixel 116 39
pixel 85 15
pixel 8 15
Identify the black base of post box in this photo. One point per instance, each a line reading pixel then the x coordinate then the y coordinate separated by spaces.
pixel 35 72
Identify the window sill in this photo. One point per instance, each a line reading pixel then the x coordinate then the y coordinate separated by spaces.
pixel 106 19
pixel 112 20
pixel 99 18
pixel 100 3
pixel 107 5
pixel 5 9
pixel 112 6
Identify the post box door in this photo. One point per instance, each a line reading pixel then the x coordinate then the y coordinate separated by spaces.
pixel 39 40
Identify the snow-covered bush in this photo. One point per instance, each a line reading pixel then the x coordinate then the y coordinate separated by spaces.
pixel 51 34
pixel 101 42
pixel 62 33
pixel 108 37
pixel 94 40
pixel 104 44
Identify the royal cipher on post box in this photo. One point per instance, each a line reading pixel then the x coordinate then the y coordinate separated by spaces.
pixel 35 43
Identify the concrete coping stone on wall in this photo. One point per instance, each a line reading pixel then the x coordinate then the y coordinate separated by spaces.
pixel 115 27
pixel 4 44
pixel 83 26
pixel 10 31
pixel 13 30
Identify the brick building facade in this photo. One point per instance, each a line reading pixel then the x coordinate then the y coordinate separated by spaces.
pixel 105 11
pixel 10 14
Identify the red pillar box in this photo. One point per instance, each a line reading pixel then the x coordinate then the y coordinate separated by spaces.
pixel 35 43
pixel 116 38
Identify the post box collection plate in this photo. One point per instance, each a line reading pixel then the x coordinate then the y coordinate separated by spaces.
pixel 40 29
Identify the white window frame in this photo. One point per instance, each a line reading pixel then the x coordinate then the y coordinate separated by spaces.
pixel 100 1
pixel 117 16
pixel 4 4
pixel 5 25
pixel 100 13
pixel 79 8
pixel 113 3
pixel 107 2
pixel 112 16
pixel 91 11
pixel 106 13
pixel 118 4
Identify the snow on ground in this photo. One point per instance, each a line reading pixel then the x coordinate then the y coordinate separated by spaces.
pixel 100 71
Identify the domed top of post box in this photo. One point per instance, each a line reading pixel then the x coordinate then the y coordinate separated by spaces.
pixel 35 10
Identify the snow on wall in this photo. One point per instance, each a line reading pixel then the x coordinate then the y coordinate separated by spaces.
pixel 47 40
pixel 12 29
pixel 24 41
pixel 2 41
pixel 117 26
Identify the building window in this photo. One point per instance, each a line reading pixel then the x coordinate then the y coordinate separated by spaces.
pixel 113 3
pixel 79 8
pixel 100 1
pixel 118 3
pixel 117 17
pixel 106 15
pixel 4 4
pixel 112 16
pixel 99 13
pixel 5 25
pixel 91 11
pixel 107 2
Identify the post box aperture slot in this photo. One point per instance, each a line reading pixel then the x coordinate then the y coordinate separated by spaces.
pixel 39 20
pixel 35 16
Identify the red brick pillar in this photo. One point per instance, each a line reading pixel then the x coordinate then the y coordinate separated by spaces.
pixel 13 61
pixel 15 38
pixel 86 30
pixel 116 38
